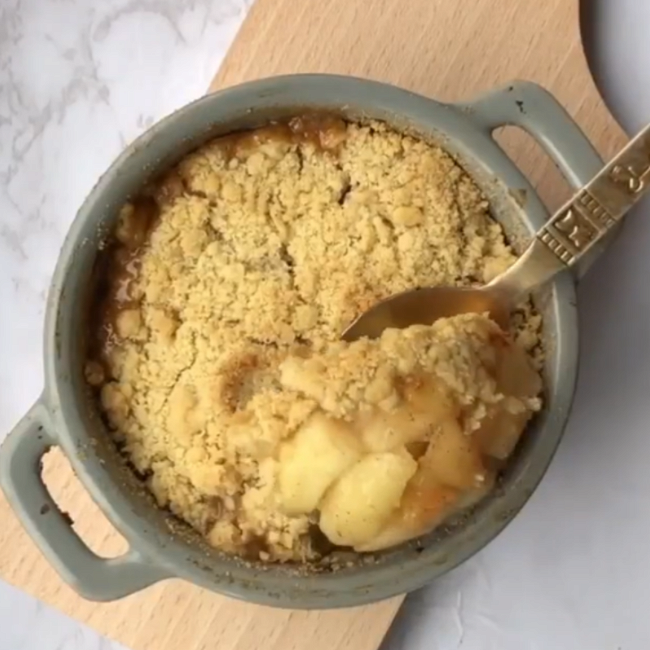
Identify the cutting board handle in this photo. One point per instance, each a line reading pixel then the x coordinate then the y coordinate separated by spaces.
pixel 533 109
pixel 93 577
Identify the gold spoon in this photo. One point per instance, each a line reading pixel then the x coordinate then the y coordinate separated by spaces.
pixel 559 245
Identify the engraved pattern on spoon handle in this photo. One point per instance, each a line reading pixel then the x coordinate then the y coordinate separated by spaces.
pixel 597 208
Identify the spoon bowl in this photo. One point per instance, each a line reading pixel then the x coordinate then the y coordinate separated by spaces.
pixel 426 305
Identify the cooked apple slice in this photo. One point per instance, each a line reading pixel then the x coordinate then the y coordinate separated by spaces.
pixel 320 451
pixel 453 458
pixel 424 504
pixel 515 374
pixel 360 503
pixel 500 432
pixel 426 405
pixel 382 432
pixel 517 380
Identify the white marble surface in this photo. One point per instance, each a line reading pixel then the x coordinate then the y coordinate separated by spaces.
pixel 80 78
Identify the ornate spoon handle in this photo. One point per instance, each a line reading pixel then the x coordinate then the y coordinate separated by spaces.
pixel 584 220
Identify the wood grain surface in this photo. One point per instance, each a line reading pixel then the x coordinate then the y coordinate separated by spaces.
pixel 442 48
pixel 446 49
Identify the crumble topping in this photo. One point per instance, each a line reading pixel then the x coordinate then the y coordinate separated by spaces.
pixel 218 363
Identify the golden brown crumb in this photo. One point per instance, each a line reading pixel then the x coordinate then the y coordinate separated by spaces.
pixel 260 256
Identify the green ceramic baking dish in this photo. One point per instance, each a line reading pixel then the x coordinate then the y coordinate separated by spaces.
pixel 64 416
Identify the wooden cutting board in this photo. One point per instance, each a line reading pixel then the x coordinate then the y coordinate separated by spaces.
pixel 448 49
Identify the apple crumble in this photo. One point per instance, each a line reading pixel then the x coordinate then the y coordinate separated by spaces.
pixel 218 363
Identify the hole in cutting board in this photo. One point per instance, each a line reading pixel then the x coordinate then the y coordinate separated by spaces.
pixel 529 156
pixel 72 498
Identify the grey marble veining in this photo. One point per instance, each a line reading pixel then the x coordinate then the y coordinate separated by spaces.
pixel 81 78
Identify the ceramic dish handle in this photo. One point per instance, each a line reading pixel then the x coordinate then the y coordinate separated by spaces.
pixel 93 577
pixel 533 109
